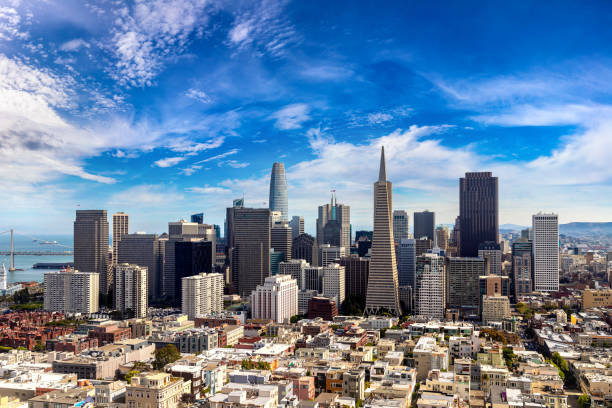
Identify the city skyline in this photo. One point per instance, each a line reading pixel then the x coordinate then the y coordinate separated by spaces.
pixel 163 114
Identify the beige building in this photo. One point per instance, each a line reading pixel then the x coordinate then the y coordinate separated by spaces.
pixel 428 355
pixel 596 298
pixel 276 299
pixel 495 308
pixel 131 289
pixel 202 294
pixel 120 228
pixel 71 291
pixel 154 390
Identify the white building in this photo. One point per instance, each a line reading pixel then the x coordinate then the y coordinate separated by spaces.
pixel 545 235
pixel 430 293
pixel 276 299
pixel 71 291
pixel 295 268
pixel 329 254
pixel 202 294
pixel 333 282
pixel 131 289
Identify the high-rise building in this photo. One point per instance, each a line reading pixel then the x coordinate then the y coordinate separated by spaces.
pixel 91 245
pixel 401 225
pixel 522 262
pixel 294 268
pixel 423 245
pixel 249 238
pixel 334 282
pixel 145 250
pixel 430 287
pixel 280 239
pixel 329 254
pixel 71 291
pixel 276 299
pixel 120 228
pixel 313 278
pixel 197 218
pixel 192 257
pixel 131 290
pixel 177 231
pixel 492 253
pixel 305 246
pixel 442 237
pixel 363 246
pixel 463 283
pixel 278 191
pixel 297 226
pixel 478 212
pixel 495 309
pixel 406 262
pixel 424 225
pixel 202 294
pixel 357 270
pixel 493 285
pixel 545 231
pixel 3 284
pixel 339 231
pixel 382 295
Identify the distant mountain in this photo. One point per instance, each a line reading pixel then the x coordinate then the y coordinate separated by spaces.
pixel 511 227
pixel 586 228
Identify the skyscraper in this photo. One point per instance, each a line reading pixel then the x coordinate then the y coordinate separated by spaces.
pixel 278 191
pixel 177 231
pixel 478 212
pixel 545 231
pixel 424 225
pixel 492 253
pixel 91 245
pixel 339 233
pixel 131 290
pixel 430 290
pixel 197 218
pixel 202 294
pixel 406 263
pixel 442 237
pixel 280 239
pixel 276 299
pixel 334 285
pixel 71 291
pixel 463 288
pixel 120 228
pixel 401 225
pixel 382 295
pixel 191 258
pixel 522 268
pixel 305 247
pixel 297 226
pixel 250 236
pixel 145 250
pixel 357 270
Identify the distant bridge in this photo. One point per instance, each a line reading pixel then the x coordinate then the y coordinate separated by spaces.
pixel 36 253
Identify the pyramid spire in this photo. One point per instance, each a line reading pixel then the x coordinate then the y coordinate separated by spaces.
pixel 382 173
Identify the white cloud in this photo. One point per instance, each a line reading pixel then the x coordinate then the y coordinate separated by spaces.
pixel 10 22
pixel 188 171
pixel 326 72
pixel 191 148
pixel 234 163
pixel 263 28
pixel 378 118
pixel 149 33
pixel 291 116
pixel 198 95
pixel 74 45
pixel 169 161
pixel 219 156
pixel 144 195
pixel 208 190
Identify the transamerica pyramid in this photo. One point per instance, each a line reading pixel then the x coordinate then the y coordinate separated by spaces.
pixel 382 295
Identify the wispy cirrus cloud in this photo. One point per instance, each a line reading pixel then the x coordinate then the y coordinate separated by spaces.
pixel 147 34
pixel 169 161
pixel 198 95
pixel 219 156
pixel 291 116
pixel 208 190
pixel 74 45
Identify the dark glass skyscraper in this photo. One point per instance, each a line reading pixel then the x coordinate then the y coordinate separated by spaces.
pixel 199 218
pixel 191 258
pixel 424 225
pixel 91 245
pixel 478 211
pixel 278 191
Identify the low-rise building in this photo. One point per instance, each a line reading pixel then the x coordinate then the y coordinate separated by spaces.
pixel 154 390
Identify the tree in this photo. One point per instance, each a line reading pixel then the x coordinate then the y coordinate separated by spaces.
pixel 561 365
pixel 296 318
pixel 39 347
pixel 130 374
pixel 509 357
pixel 584 401
pixel 165 355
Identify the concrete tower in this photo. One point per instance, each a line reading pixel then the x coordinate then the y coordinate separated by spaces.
pixel 278 191
pixel 382 295
pixel 120 228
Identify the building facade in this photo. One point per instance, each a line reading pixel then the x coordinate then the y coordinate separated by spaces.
pixel 406 262
pixel 357 270
pixel 71 291
pixel 276 299
pixel 91 245
pixel 334 282
pixel 463 285
pixel 478 212
pixel 545 239
pixel 340 214
pixel 202 294
pixel 305 246
pixel 120 228
pixel 492 253
pixel 430 290
pixel 401 225
pixel 297 226
pixel 131 290
pixel 424 225
pixel 145 250
pixel 278 191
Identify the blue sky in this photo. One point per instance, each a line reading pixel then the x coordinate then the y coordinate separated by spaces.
pixel 166 108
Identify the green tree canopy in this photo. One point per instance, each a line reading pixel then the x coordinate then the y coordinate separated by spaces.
pixel 165 355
